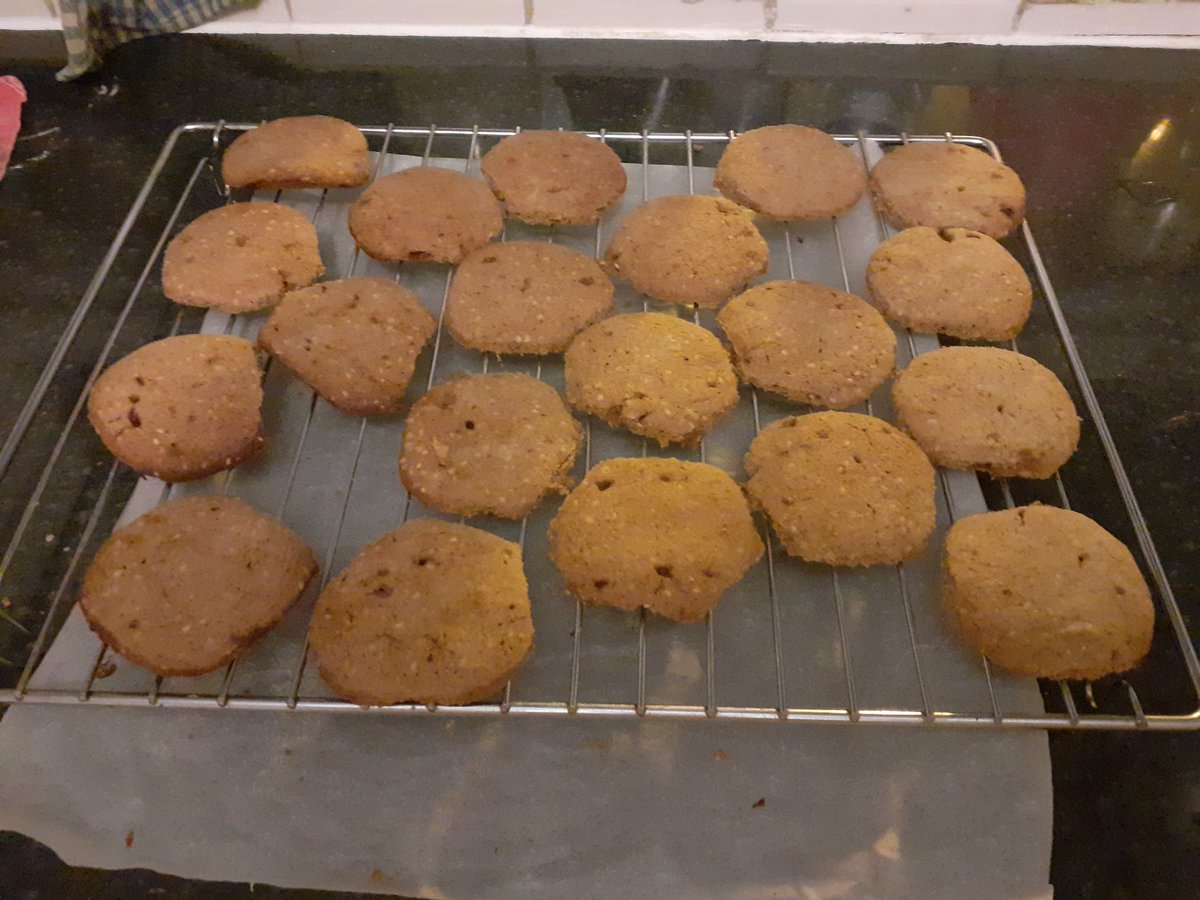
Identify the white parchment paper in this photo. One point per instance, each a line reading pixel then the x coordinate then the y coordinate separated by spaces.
pixel 444 806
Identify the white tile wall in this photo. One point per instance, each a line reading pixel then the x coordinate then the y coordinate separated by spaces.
pixel 898 16
pixel 738 15
pixel 1165 18
pixel 28 14
pixel 468 13
pixel 31 8
pixel 1167 22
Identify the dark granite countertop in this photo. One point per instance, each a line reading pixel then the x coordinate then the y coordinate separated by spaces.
pixel 1118 220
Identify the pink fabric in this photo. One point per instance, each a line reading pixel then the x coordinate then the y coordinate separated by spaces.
pixel 12 95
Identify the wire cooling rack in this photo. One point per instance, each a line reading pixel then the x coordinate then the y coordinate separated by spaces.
pixel 794 642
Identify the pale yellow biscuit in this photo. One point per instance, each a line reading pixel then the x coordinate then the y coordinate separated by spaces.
pixel 424 214
pixel 181 408
pixel 812 344
pixel 669 535
pixel 988 409
pixel 950 281
pixel 354 341
pixel 1047 593
pixel 554 177
pixel 186 587
pixel 654 374
pixel 525 297
pixel 945 185
pixel 790 172
pixel 298 152
pixel 488 444
pixel 842 488
pixel 431 612
pixel 688 250
pixel 241 257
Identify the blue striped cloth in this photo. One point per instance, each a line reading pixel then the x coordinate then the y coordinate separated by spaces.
pixel 91 27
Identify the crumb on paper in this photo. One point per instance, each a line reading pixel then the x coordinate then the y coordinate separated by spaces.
pixel 888 846
pixel 380 877
pixel 598 745
pixel 287 751
pixel 684 664
pixel 759 803
pixel 720 755
pixel 129 839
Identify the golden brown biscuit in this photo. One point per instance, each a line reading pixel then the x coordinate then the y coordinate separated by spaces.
pixel 424 214
pixel 651 373
pixel 946 185
pixel 950 281
pixel 554 177
pixel 188 586
pixel 241 257
pixel 987 409
pixel 1047 593
pixel 298 152
pixel 525 297
pixel 689 250
pixel 812 344
pixel 790 172
pixel 181 408
pixel 488 444
pixel 431 612
pixel 842 488
pixel 354 341
pixel 669 535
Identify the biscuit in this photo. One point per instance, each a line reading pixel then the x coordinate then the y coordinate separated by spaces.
pixel 842 488
pixel 946 185
pixel 666 534
pixel 488 444
pixel 525 297
pixel 988 409
pixel 654 374
pixel 188 586
pixel 688 250
pixel 554 177
pixel 431 612
pixel 424 214
pixel 181 408
pixel 354 341
pixel 298 152
pixel 812 344
pixel 1047 593
pixel 241 257
pixel 950 281
pixel 790 172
